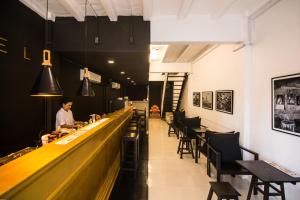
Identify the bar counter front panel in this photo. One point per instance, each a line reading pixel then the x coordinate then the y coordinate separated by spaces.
pixel 84 168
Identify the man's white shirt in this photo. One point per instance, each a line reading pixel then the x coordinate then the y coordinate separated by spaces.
pixel 64 118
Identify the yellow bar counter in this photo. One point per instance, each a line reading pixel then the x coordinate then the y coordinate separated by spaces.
pixel 81 165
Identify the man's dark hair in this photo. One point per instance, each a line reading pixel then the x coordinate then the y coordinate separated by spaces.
pixel 65 100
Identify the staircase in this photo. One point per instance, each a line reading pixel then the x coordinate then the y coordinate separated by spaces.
pixel 173 91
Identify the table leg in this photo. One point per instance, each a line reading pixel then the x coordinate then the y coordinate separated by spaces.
pixel 266 191
pixel 210 194
pixel 196 150
pixel 255 185
pixel 282 191
pixel 250 188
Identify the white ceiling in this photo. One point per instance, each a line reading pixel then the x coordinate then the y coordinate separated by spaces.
pixel 177 53
pixel 146 8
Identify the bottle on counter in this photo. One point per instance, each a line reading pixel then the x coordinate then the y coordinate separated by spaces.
pixel 44 139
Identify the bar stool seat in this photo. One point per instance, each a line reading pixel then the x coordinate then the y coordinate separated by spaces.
pixel 130 156
pixel 132 129
pixel 223 190
pixel 131 124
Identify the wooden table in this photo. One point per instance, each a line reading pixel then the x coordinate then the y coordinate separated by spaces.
pixel 199 131
pixel 267 174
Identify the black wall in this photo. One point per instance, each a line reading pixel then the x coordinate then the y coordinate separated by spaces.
pixel 114 36
pixel 129 56
pixel 68 77
pixel 136 92
pixel 168 104
pixel 23 116
pixel 155 93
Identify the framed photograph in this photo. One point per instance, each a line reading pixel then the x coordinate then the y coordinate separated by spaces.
pixel 286 104
pixel 196 99
pixel 207 100
pixel 224 101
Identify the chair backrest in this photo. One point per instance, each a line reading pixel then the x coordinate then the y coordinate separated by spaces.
pixel 228 144
pixel 207 136
pixel 191 123
pixel 178 117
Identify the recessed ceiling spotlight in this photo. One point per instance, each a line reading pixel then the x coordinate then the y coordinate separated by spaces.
pixel 128 78
pixel 110 61
pixel 122 72
pixel 132 81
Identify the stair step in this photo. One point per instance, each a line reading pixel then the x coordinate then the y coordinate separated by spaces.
pixel 177 76
pixel 179 79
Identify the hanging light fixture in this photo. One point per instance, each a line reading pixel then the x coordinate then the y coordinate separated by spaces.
pixel 86 86
pixel 46 84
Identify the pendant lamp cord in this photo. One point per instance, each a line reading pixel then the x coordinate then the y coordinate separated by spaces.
pixel 46 25
pixel 46 47
pixel 85 34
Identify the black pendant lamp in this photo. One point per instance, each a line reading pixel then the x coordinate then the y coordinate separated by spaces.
pixel 86 89
pixel 46 84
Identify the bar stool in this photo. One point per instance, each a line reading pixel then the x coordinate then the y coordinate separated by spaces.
pixel 130 156
pixel 132 124
pixel 172 130
pixel 184 140
pixel 132 129
pixel 223 190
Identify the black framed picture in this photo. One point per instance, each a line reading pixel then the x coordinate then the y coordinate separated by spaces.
pixel 196 99
pixel 286 104
pixel 224 101
pixel 207 100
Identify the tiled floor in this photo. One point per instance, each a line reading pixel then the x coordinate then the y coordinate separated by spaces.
pixel 170 177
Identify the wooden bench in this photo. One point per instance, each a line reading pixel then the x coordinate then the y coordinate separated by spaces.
pixel 223 190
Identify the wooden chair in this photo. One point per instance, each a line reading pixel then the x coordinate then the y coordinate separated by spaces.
pixel 178 118
pixel 185 142
pixel 223 150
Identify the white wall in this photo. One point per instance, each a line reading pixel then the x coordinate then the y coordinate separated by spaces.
pixel 275 52
pixel 222 69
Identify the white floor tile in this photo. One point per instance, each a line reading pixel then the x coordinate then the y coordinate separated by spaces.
pixel 179 179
